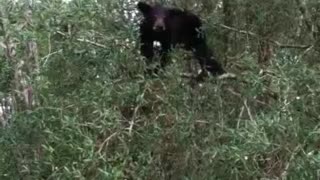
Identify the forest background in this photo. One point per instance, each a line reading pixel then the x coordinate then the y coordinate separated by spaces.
pixel 75 103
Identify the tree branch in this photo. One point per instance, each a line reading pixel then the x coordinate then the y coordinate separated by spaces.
pixel 280 45
pixel 84 40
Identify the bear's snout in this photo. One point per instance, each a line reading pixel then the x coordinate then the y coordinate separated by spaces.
pixel 159 25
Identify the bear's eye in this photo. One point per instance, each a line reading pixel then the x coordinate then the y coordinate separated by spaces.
pixel 159 13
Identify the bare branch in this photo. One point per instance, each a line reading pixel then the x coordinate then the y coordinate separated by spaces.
pixel 280 45
pixel 84 40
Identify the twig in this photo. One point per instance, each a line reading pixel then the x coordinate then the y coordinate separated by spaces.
pixel 284 174
pixel 133 119
pixel 223 76
pixel 91 42
pixel 187 75
pixel 305 52
pixel 45 58
pixel 227 76
pixel 234 93
pixel 248 110
pixel 106 141
pixel 240 116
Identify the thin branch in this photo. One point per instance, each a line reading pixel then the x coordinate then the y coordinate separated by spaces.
pixel 296 150
pixel 248 110
pixel 280 45
pixel 305 52
pixel 106 142
pixel 223 76
pixel 92 43
pixel 84 40
pixel 133 120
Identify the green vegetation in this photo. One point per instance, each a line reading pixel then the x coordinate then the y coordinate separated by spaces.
pixel 94 115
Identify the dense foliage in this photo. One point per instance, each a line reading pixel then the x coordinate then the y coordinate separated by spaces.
pixel 95 115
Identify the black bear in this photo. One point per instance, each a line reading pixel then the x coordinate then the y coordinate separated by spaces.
pixel 170 27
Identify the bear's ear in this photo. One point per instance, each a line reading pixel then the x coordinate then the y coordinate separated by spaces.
pixel 144 8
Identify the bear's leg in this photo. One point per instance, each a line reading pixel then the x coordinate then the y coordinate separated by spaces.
pixel 165 48
pixel 148 52
pixel 162 59
pixel 207 60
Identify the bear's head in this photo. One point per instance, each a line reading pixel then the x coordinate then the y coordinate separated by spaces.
pixel 155 14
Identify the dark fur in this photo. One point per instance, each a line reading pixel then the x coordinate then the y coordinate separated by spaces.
pixel 171 26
